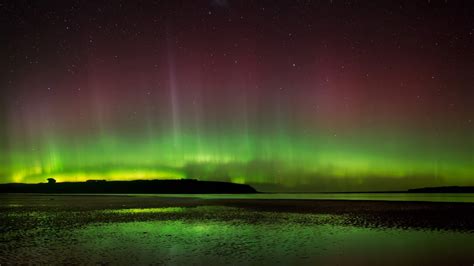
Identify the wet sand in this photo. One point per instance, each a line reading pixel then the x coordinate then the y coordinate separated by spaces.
pixel 157 230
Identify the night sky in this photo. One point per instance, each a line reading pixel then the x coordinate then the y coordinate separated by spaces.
pixel 284 95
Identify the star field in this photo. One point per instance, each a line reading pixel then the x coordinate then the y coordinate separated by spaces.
pixel 284 95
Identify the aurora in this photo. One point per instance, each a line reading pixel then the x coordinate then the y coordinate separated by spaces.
pixel 205 94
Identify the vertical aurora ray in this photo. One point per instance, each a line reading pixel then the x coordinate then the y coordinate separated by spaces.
pixel 218 98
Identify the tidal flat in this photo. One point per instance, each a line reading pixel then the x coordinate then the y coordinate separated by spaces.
pixel 173 230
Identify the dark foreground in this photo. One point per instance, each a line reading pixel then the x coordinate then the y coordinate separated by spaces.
pixel 146 229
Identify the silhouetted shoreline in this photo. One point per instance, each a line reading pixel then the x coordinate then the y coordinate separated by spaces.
pixel 183 186
pixel 451 189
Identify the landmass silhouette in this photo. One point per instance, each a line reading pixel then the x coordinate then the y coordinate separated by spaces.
pixel 175 186
pixel 182 186
pixel 450 189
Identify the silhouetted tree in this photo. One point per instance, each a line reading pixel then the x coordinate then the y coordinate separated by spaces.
pixel 51 181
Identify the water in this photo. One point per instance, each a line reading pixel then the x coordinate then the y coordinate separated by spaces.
pixel 429 197
pixel 130 230
pixel 422 197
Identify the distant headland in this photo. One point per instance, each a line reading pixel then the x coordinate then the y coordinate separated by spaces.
pixel 450 189
pixel 182 186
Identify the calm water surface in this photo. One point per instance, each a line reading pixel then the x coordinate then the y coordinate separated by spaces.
pixel 431 197
pixel 43 230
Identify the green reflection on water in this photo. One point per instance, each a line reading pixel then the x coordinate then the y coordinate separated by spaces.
pixel 288 239
pixel 147 210
pixel 224 235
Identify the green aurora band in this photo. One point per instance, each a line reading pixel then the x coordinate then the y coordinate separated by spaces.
pixel 296 162
pixel 318 103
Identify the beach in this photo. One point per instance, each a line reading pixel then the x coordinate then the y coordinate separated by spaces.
pixel 173 230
